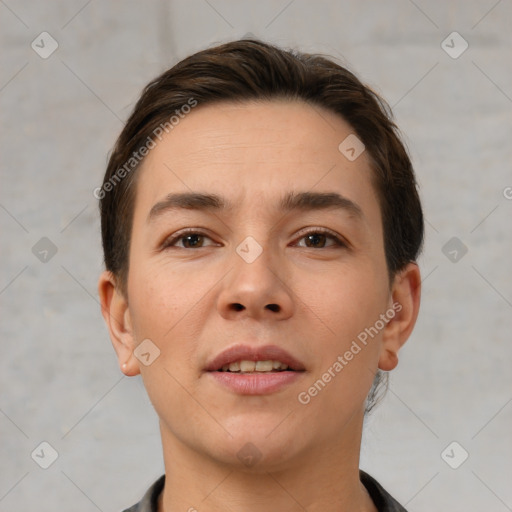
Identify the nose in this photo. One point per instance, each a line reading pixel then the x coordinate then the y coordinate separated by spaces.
pixel 258 289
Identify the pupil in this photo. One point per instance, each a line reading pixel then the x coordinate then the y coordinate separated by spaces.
pixel 194 239
pixel 316 237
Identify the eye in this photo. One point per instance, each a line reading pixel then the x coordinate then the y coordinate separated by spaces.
pixel 193 239
pixel 317 238
pixel 190 239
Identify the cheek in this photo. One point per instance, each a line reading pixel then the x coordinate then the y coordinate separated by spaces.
pixel 167 307
pixel 159 293
pixel 343 312
pixel 344 300
pixel 173 305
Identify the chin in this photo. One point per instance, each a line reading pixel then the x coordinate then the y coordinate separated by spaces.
pixel 258 444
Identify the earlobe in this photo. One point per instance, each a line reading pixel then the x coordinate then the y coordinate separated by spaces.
pixel 405 302
pixel 116 313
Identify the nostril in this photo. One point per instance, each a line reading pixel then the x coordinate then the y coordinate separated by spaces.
pixel 273 307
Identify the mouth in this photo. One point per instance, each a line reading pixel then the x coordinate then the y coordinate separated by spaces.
pixel 252 367
pixel 250 370
pixel 250 359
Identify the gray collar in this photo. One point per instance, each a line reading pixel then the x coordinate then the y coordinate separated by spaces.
pixel 382 499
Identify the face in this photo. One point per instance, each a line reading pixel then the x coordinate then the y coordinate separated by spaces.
pixel 307 275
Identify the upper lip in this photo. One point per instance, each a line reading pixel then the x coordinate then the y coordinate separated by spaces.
pixel 251 353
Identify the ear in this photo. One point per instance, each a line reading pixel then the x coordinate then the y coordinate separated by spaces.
pixel 405 302
pixel 116 313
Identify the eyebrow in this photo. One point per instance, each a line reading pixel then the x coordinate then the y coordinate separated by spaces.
pixel 302 201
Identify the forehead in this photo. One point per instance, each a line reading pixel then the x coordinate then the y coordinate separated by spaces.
pixel 254 153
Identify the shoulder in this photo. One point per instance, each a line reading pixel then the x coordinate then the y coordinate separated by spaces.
pixel 382 499
pixel 149 502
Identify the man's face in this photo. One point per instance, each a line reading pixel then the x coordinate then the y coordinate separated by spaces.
pixel 306 292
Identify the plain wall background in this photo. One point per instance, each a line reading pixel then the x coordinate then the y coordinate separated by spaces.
pixel 59 378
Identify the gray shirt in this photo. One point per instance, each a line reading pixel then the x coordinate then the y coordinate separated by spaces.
pixel 382 499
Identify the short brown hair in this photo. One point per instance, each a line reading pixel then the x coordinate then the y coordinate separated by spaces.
pixel 253 70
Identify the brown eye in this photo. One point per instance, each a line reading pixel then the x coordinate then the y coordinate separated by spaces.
pixel 318 240
pixel 192 241
pixel 187 240
pixel 315 240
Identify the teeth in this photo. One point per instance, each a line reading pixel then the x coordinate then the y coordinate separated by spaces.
pixel 247 366
pixel 263 366
pixel 254 366
pixel 234 367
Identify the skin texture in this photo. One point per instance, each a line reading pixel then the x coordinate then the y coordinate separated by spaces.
pixel 194 301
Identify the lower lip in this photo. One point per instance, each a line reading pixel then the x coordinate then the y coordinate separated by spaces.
pixel 256 383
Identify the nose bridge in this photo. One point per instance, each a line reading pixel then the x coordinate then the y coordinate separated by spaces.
pixel 254 264
pixel 254 284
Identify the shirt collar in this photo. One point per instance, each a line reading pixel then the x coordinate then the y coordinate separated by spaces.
pixel 382 499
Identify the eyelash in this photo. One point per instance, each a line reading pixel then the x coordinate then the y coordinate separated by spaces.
pixel 168 243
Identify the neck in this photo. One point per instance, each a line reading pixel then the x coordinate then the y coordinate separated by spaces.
pixel 325 478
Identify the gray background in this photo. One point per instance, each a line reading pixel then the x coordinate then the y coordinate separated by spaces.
pixel 60 382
